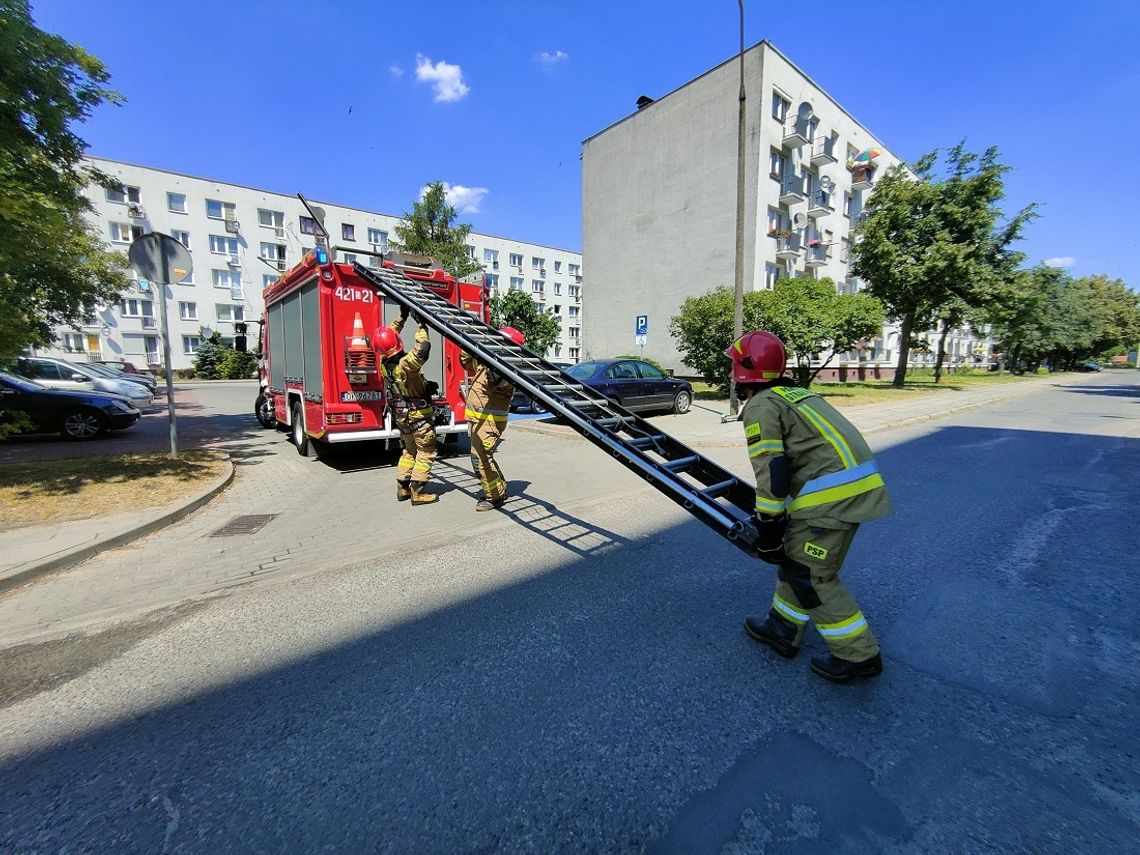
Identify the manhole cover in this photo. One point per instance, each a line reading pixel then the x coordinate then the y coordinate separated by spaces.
pixel 248 524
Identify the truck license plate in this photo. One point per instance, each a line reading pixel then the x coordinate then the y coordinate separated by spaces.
pixel 348 397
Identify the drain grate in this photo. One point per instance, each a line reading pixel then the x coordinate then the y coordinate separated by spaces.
pixel 248 524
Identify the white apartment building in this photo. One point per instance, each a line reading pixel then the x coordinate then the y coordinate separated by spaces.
pixel 241 238
pixel 659 200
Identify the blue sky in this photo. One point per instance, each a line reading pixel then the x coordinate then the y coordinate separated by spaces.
pixel 496 97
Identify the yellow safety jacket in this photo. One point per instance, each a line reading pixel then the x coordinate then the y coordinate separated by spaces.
pixel 489 396
pixel 810 461
pixel 411 404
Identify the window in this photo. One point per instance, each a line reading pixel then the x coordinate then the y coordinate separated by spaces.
pixel 216 210
pixel 649 372
pixel 574 290
pixel 176 202
pixel 852 153
pixel 226 279
pixel 274 253
pixel 812 126
pixel 780 106
pixel 347 231
pixel 309 226
pixel 538 263
pixel 125 232
pixel 268 279
pixel 373 261
pixel 127 194
pixel 573 269
pixel 621 371
pixel 847 205
pixel 493 281
pixel 542 308
pixel 573 351
pixel 349 258
pixel 182 237
pixel 558 308
pixel 537 286
pixel 222 245
pixel 771 276
pixel 558 267
pixel 574 311
pixel 557 289
pixel 775 220
pixel 845 250
pixel 490 256
pixel 516 283
pixel 776 165
pixel 43 370
pixel 132 307
pixel 228 312
pixel 516 260
pixel 73 342
pixel 188 311
pixel 378 238
pixel 271 219
pixel 574 333
pixel 191 343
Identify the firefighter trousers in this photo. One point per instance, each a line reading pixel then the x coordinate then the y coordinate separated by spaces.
pixel 809 589
pixel 485 436
pixel 419 453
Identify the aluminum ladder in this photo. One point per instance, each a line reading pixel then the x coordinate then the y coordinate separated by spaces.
pixel 709 492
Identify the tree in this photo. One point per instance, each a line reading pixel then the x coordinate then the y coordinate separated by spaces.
pixel 808 315
pixel 54 268
pixel 210 358
pixel 516 309
pixel 430 230
pixel 929 239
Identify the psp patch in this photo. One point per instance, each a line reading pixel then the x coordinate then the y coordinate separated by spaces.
pixel 816 552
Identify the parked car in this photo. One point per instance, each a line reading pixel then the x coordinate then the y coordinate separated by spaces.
pixel 111 374
pixel 76 415
pixel 635 384
pixel 122 367
pixel 1091 365
pixel 73 376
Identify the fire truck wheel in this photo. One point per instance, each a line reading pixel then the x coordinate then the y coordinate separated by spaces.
pixel 263 407
pixel 300 438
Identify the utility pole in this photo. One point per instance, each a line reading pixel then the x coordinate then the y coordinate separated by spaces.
pixel 738 307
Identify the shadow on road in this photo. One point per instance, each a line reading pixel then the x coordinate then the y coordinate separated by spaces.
pixel 1110 391
pixel 620 706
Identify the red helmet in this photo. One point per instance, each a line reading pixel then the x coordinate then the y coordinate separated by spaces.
pixel 514 335
pixel 757 357
pixel 386 343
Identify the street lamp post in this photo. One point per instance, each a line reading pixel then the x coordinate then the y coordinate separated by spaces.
pixel 738 306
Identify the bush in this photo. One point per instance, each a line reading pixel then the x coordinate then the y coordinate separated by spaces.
pixel 236 365
pixel 185 374
pixel 1041 369
pixel 208 359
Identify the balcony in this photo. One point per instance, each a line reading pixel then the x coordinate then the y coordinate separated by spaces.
pixel 788 246
pixel 792 190
pixel 823 151
pixel 796 132
pixel 149 323
pixel 820 205
pixel 818 255
pixel 862 178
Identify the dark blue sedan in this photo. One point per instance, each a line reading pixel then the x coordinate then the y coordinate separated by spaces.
pixel 635 384
pixel 76 415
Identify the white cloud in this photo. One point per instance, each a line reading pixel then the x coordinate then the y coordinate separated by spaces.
pixel 465 200
pixel 548 60
pixel 395 71
pixel 1060 261
pixel 445 79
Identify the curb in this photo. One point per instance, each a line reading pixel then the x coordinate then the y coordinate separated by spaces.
pixel 82 553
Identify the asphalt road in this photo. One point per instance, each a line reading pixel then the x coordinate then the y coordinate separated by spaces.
pixel 508 689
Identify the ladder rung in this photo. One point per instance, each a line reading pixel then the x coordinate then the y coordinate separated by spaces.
pixel 612 420
pixel 563 386
pixel 719 489
pixel 681 462
pixel 642 441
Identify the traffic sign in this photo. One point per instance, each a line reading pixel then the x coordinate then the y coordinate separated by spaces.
pixel 641 325
pixel 640 340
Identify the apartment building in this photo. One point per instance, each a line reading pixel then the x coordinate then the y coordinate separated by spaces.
pixel 242 238
pixel 659 200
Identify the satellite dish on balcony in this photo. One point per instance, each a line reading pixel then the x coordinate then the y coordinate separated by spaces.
pixel 799 221
pixel 805 112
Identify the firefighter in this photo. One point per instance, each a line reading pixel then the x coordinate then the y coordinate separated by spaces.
pixel 488 405
pixel 412 408
pixel 816 481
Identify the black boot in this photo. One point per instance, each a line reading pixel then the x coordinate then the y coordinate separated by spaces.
pixel 776 631
pixel 403 490
pixel 842 670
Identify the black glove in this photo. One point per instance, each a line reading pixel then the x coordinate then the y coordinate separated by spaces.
pixel 417 319
pixel 404 312
pixel 770 530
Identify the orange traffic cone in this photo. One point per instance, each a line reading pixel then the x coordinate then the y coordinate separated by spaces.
pixel 358 351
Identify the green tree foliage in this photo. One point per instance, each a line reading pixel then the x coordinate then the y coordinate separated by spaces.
pixel 933 238
pixel 516 309
pixel 814 321
pixel 430 230
pixel 53 267
pixel 237 365
pixel 209 359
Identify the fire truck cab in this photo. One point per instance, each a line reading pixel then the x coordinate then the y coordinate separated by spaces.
pixel 320 368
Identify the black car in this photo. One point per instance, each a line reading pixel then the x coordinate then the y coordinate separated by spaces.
pixel 76 415
pixel 635 384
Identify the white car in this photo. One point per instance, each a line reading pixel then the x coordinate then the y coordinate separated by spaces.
pixel 75 376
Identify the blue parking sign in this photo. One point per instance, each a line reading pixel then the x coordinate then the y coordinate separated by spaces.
pixel 641 325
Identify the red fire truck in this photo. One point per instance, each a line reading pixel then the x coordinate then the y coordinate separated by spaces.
pixel 319 367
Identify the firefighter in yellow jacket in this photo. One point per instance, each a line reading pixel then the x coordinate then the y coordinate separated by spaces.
pixel 816 481
pixel 412 409
pixel 488 406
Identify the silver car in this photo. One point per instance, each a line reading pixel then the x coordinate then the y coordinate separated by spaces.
pixel 61 374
